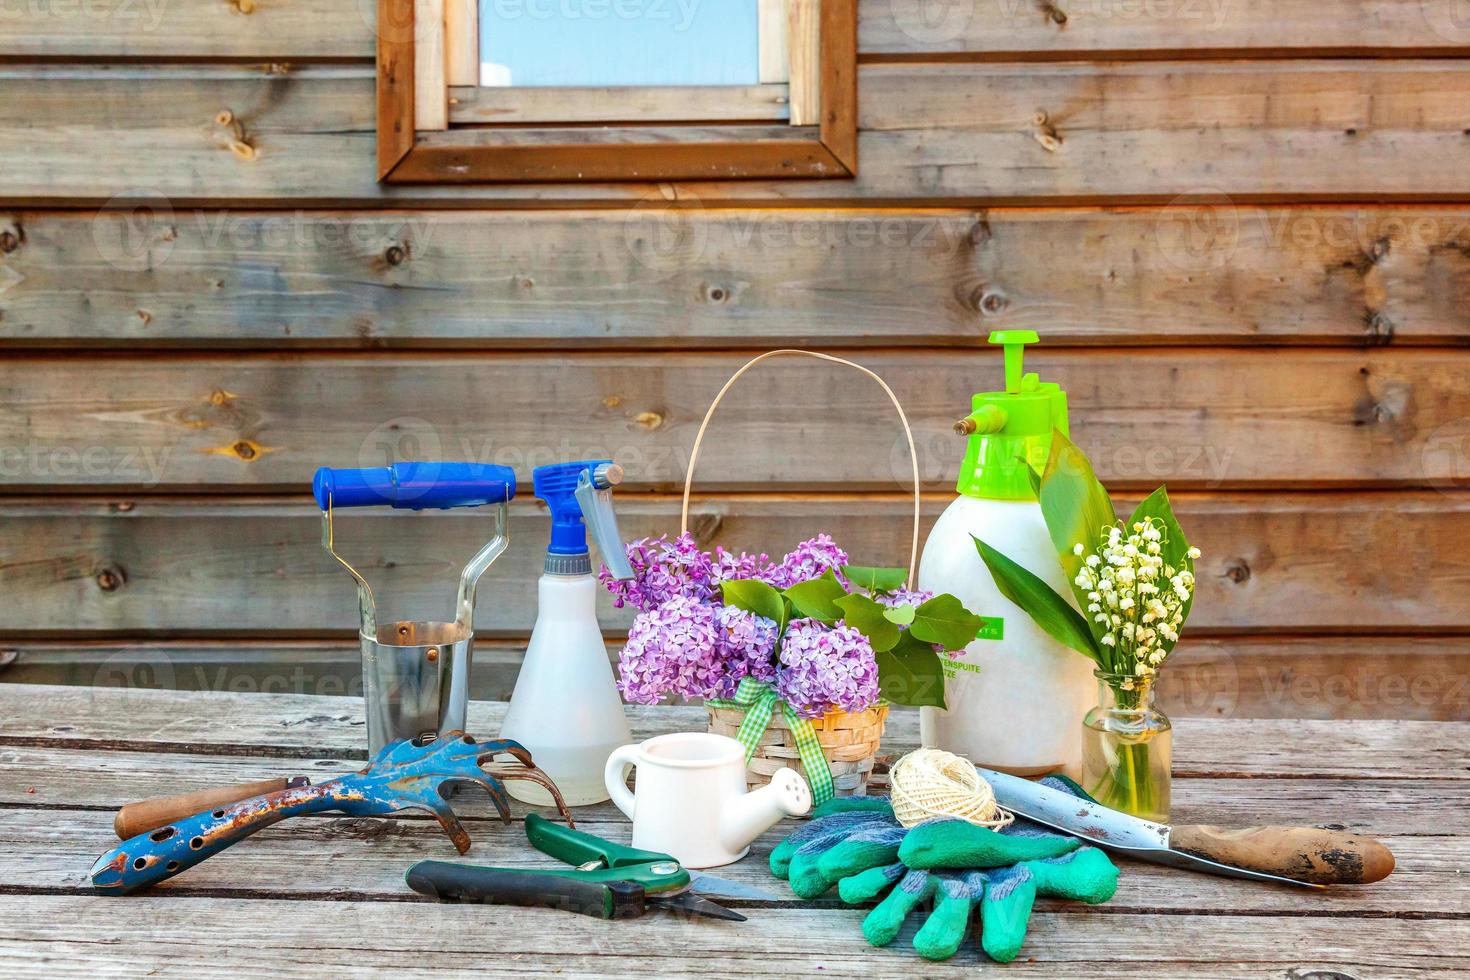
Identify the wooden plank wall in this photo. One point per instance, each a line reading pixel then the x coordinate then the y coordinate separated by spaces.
pixel 1242 228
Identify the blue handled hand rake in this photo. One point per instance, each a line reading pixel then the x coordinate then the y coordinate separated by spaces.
pixel 402 776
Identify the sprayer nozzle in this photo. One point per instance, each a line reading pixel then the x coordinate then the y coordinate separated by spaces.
pixel 607 475
pixel 984 420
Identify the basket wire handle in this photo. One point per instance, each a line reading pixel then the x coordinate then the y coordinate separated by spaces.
pixel 908 434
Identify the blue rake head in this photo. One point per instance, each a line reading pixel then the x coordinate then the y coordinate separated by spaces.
pixel 402 776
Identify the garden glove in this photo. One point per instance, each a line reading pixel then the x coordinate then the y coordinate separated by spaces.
pixel 845 836
pixel 955 864
pixel 1005 892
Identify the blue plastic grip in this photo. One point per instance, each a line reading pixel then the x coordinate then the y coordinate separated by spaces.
pixel 415 486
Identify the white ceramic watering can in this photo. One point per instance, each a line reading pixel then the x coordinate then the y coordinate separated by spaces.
pixel 691 802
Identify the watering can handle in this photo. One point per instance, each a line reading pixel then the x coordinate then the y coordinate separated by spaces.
pixel 415 486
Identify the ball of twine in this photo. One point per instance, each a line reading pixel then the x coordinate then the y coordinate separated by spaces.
pixel 930 783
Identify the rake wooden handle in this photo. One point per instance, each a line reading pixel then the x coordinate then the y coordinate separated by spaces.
pixel 1311 854
pixel 145 815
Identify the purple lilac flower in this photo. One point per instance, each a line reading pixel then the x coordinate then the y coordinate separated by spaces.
pixel 729 565
pixel 747 646
pixel 807 561
pixel 826 669
pixel 663 569
pixel 673 649
pixel 902 597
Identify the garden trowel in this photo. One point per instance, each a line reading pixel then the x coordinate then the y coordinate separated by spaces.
pixel 1295 855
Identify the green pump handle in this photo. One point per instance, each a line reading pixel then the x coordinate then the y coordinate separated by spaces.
pixel 1014 342
pixel 989 419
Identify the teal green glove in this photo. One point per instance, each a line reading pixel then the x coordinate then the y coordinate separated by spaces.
pixel 954 864
pixel 857 844
pixel 846 836
pixel 1005 893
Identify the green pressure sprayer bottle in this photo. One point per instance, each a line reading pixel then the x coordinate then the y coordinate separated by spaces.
pixel 566 708
pixel 1017 698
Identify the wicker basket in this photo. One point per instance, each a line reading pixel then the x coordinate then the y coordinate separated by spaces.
pixel 849 740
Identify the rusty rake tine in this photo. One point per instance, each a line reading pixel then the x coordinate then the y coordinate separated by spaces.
pixel 487 784
pixel 445 814
pixel 497 796
pixel 521 755
pixel 537 776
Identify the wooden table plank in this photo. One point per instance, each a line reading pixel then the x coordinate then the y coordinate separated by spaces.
pixel 68 755
pixel 308 725
pixel 52 851
pixel 91 778
pixel 159 936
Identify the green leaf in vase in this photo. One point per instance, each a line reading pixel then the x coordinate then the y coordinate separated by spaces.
pixel 1040 601
pixel 944 620
pixel 1073 502
pixel 902 615
pixel 911 673
pixel 1174 548
pixel 866 616
pixel 815 599
pixel 876 579
pixel 757 597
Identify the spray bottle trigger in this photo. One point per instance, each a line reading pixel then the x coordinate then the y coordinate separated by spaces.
pixel 597 511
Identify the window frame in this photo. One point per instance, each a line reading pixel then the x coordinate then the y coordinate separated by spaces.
pixel 541 152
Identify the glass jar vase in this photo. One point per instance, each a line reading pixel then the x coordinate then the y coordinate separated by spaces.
pixel 1127 748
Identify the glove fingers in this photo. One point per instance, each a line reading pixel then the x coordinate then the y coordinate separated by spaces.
pixel 818 834
pixel 957 844
pixel 814 867
pixel 1087 875
pixel 1005 912
pixel 883 923
pixel 865 886
pixel 859 853
pixel 940 937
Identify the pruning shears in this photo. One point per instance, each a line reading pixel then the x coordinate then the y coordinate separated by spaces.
pixel 610 881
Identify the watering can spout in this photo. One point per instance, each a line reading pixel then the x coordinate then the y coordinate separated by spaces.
pixel 747 817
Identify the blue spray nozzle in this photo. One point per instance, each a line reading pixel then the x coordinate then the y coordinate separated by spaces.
pixel 579 496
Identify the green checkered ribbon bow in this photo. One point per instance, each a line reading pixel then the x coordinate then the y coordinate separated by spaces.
pixel 759 700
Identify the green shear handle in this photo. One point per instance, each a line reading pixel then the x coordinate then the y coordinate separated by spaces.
pixel 610 881
pixel 656 872
pixel 584 892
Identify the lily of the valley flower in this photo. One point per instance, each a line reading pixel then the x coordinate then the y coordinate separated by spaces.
pixel 1134 595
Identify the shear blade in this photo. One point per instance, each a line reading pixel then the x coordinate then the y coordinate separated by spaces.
pixel 690 902
pixel 713 886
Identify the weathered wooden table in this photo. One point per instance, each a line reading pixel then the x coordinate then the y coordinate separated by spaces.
pixel 325 895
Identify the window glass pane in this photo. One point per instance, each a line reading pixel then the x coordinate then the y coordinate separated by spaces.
pixel 537 43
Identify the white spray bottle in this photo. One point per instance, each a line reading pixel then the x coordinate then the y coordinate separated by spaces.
pixel 566 708
pixel 1016 698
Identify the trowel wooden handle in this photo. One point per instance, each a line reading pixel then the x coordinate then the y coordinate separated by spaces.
pixel 1310 854
pixel 139 818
